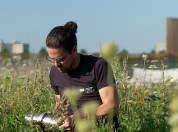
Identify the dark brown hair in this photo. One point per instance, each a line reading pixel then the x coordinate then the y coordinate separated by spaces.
pixel 63 36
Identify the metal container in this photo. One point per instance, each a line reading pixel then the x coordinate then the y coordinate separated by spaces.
pixel 44 120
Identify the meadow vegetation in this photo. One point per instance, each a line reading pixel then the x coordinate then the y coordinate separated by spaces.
pixel 145 107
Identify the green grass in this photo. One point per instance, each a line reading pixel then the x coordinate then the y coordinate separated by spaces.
pixel 143 108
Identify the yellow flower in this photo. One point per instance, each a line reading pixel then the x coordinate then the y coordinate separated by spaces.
pixel 129 86
pixel 90 108
pixel 147 93
pixel 174 105
pixel 174 129
pixel 144 56
pixel 138 102
pixel 83 126
pixel 73 95
pixel 110 50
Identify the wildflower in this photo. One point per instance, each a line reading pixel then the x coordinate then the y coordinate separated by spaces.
pixel 24 65
pixel 163 103
pixel 175 129
pixel 174 105
pixel 144 56
pixel 154 61
pixel 138 102
pixel 83 126
pixel 135 64
pixel 110 50
pixel 73 95
pixel 131 101
pixel 173 121
pixel 152 67
pixel 129 86
pixel 154 92
pixel 147 93
pixel 90 108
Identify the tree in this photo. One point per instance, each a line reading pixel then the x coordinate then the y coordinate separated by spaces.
pixel 43 51
pixel 123 52
pixel 25 54
pixel 152 51
pixel 4 48
pixel 162 52
pixel 83 51
pixel 25 50
pixel 96 54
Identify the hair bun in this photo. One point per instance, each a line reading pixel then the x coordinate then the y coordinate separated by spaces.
pixel 72 25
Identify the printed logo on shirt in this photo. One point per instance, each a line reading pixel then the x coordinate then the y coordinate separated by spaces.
pixel 87 90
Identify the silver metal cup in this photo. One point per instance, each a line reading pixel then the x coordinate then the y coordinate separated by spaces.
pixel 44 120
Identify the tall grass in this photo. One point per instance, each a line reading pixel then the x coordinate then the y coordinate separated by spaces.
pixel 143 107
pixel 21 94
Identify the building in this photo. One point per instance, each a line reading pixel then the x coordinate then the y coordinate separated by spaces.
pixel 15 47
pixel 160 47
pixel 172 36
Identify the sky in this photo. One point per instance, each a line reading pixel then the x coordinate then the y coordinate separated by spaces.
pixel 134 25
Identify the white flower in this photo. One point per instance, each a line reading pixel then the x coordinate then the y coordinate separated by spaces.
pixel 152 67
pixel 154 92
pixel 24 65
pixel 135 64
pixel 154 61
pixel 128 77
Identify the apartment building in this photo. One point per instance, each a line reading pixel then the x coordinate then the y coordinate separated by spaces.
pixel 160 47
pixel 15 47
pixel 171 37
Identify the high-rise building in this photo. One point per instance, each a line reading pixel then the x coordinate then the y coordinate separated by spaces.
pixel 14 47
pixel 160 47
pixel 172 36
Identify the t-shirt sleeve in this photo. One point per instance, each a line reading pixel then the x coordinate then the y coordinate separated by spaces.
pixel 104 74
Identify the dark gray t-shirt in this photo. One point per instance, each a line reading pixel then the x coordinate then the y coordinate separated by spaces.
pixel 90 76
